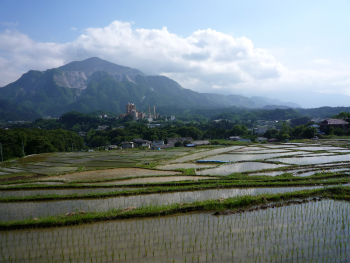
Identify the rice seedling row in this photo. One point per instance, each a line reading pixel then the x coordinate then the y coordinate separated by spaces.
pixel 23 210
pixel 310 232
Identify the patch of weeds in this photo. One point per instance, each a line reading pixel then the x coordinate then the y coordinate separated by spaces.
pixel 189 171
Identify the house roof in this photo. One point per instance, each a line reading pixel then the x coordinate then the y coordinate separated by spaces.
pixel 140 141
pixel 203 142
pixel 334 122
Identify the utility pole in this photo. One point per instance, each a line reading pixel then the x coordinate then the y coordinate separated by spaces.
pixel 23 149
pixel 2 158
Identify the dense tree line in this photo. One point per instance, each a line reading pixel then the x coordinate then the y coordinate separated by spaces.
pixel 287 132
pixel 18 142
pixel 197 131
pixel 50 135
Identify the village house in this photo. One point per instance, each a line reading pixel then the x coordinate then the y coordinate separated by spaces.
pixel 335 123
pixel 261 139
pixel 202 142
pixel 235 138
pixel 158 144
pixel 102 127
pixel 127 145
pixel 142 142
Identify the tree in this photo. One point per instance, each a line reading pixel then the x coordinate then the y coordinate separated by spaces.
pixel 300 121
pixel 238 130
pixel 297 132
pixel 272 133
pixel 185 142
pixel 178 144
pixel 309 132
pixel 342 115
pixel 189 132
pixel 283 136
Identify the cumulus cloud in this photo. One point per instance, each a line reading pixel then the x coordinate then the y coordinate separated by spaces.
pixel 19 53
pixel 206 61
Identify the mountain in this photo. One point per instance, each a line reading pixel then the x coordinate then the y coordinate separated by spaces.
pixel 10 111
pixel 268 103
pixel 96 84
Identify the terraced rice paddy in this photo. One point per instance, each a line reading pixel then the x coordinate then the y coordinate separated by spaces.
pixel 112 174
pixel 228 169
pixel 269 203
pixel 23 210
pixel 310 232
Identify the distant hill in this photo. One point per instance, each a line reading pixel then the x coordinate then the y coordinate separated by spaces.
pixel 267 103
pixel 322 112
pixel 95 84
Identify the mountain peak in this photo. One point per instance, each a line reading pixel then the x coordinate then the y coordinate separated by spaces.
pixel 94 64
pixel 78 74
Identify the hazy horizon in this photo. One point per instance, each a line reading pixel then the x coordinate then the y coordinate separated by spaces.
pixel 294 52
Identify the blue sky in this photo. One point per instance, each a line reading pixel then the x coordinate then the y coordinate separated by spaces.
pixel 291 50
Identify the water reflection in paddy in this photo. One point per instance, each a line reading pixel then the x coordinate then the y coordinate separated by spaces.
pixel 262 150
pixel 20 210
pixel 301 172
pixel 204 154
pixel 320 148
pixel 249 157
pixel 185 166
pixel 228 169
pixel 314 160
pixel 281 146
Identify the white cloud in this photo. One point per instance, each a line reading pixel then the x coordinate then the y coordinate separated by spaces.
pixel 322 61
pixel 19 53
pixel 207 60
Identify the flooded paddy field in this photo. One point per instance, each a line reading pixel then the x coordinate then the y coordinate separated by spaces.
pixel 314 159
pixel 111 174
pixel 43 192
pixel 197 156
pixel 228 169
pixel 176 166
pixel 250 157
pixel 304 173
pixel 313 231
pixel 308 232
pixel 299 154
pixel 158 179
pixel 23 210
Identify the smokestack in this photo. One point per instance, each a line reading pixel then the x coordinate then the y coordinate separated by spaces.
pixel 154 111
pixel 149 112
